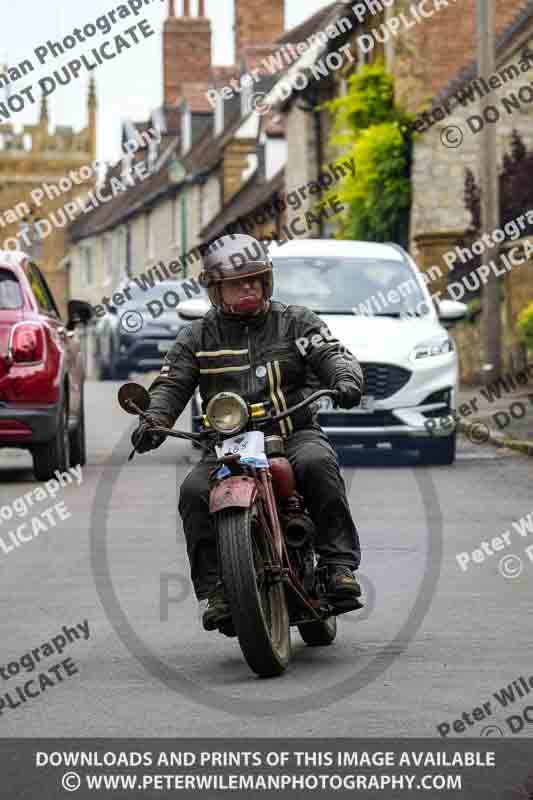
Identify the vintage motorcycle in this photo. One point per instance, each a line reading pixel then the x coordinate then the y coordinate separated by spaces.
pixel 264 534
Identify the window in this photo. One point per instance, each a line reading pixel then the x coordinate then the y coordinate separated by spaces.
pixel 40 289
pixel 205 206
pixel 174 222
pixel 10 294
pixel 120 255
pixel 87 265
pixel 344 285
pixel 186 130
pixel 219 115
pixel 108 258
pixel 149 244
pixel 153 149
pixel 127 164
pixel 128 249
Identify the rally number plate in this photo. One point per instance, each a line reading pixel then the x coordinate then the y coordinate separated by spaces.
pixel 250 446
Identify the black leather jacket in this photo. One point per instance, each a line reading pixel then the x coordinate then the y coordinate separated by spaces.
pixel 282 355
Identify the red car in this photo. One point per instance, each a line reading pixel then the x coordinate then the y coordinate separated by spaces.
pixel 41 369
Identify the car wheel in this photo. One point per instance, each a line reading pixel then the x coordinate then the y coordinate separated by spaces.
pixel 102 371
pixel 440 452
pixel 117 372
pixel 55 454
pixel 78 450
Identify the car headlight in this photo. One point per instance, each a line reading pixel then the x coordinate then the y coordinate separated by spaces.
pixel 227 413
pixel 433 347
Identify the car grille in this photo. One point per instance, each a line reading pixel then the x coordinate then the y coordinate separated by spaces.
pixel 379 419
pixel 384 380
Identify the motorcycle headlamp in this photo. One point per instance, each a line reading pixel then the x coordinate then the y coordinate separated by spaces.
pixel 227 413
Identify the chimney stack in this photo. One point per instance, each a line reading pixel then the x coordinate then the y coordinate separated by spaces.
pixel 257 22
pixel 186 49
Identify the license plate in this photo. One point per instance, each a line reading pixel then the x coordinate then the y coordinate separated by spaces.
pixel 250 446
pixel 163 347
pixel 366 406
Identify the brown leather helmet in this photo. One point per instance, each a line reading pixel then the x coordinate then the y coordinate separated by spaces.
pixel 233 257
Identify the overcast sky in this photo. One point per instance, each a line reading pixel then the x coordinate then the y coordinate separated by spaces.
pixel 130 86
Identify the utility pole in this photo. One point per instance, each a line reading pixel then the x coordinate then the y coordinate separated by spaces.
pixel 490 202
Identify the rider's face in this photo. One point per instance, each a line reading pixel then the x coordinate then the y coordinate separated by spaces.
pixel 235 291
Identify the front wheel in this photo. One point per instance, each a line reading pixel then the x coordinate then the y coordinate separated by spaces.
pixel 439 452
pixel 255 591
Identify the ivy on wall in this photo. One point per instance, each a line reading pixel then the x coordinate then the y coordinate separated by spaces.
pixel 370 128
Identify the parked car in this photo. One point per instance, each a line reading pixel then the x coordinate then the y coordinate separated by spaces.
pixel 374 299
pixel 137 334
pixel 41 369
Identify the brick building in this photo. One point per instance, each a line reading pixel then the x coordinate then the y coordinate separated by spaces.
pixel 38 159
pixel 430 54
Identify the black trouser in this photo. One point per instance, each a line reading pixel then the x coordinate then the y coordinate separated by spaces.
pixel 320 482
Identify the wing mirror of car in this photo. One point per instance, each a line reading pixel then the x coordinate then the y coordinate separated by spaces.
pixel 452 311
pixel 192 309
pixel 79 312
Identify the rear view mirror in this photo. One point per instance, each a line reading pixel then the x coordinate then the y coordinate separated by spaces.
pixel 79 312
pixel 193 309
pixel 452 310
pixel 133 393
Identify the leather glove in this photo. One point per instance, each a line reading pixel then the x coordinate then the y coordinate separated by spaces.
pixel 349 395
pixel 143 440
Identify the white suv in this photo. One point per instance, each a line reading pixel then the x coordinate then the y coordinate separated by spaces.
pixel 374 299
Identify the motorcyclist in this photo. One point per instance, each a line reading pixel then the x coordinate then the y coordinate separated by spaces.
pixel 247 343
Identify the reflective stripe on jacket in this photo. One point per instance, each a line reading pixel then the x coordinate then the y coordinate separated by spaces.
pixel 282 355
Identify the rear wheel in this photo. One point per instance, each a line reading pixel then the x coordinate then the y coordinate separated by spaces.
pixel 102 369
pixel 319 634
pixel 117 371
pixel 55 454
pixel 102 372
pixel 255 594
pixel 78 452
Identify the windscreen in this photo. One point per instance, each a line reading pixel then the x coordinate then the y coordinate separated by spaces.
pixel 140 298
pixel 348 285
pixel 10 294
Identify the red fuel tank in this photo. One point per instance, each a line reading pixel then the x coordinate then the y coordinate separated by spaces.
pixel 283 480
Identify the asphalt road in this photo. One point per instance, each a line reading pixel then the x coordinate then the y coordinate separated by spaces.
pixel 432 643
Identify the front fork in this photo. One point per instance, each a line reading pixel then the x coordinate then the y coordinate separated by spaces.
pixel 242 491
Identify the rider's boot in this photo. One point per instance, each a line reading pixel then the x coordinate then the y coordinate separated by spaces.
pixel 217 613
pixel 342 589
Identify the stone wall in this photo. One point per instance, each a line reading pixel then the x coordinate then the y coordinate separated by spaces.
pixel 517 293
pixel 438 173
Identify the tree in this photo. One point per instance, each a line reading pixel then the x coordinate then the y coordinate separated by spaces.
pixel 377 135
